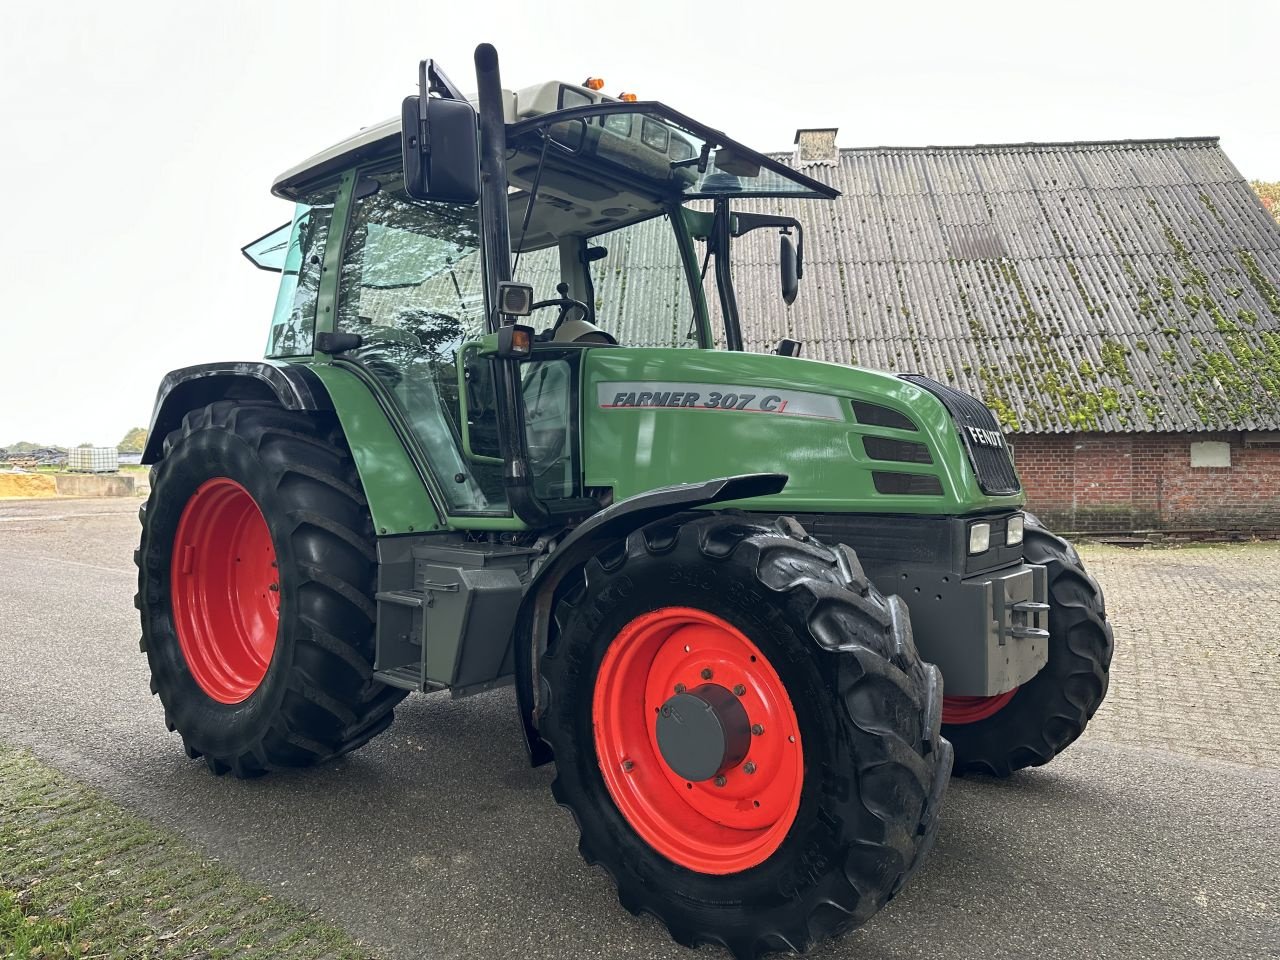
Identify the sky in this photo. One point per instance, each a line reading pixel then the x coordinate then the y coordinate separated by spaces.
pixel 139 140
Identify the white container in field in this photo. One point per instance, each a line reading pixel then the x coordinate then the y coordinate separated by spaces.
pixel 93 460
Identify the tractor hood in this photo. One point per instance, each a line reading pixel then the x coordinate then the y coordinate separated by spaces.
pixel 849 439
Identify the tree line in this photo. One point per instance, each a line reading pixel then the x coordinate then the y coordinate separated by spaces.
pixel 1269 194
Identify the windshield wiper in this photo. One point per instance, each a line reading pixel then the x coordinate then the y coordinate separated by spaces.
pixel 533 197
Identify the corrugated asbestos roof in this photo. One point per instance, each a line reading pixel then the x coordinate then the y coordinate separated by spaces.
pixel 1123 286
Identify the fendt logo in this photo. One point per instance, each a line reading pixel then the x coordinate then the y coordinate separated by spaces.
pixel 988 438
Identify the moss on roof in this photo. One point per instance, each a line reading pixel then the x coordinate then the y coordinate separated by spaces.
pixel 1088 286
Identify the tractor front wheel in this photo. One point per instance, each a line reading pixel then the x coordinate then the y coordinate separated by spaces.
pixel 743 731
pixel 255 580
pixel 1031 724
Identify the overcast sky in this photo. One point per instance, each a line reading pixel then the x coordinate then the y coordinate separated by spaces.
pixel 140 139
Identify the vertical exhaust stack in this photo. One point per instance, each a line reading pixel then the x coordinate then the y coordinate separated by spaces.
pixel 493 173
pixel 496 229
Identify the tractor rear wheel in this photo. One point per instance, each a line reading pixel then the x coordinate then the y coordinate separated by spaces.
pixel 743 731
pixel 255 580
pixel 1031 724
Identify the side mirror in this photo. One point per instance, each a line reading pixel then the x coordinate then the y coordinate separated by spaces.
pixel 790 271
pixel 440 149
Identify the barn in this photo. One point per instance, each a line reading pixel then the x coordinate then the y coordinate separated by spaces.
pixel 1116 303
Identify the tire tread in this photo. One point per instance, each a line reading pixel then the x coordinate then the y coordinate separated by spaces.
pixel 331 705
pixel 891 703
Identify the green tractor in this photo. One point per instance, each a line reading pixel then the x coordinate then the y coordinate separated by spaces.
pixel 494 441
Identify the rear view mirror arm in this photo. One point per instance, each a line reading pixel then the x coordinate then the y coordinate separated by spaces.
pixel 744 223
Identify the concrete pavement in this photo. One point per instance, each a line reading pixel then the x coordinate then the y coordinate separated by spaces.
pixel 438 840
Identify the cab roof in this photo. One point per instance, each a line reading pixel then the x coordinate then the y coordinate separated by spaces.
pixel 376 140
pixel 677 156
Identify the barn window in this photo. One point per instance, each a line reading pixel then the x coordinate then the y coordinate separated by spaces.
pixel 1211 453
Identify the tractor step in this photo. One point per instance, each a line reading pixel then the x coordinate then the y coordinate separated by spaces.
pixel 446 611
pixel 407 678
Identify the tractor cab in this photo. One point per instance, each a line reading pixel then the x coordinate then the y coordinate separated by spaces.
pixel 598 222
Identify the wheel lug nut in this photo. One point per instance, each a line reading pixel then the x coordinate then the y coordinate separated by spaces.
pixel 720 780
pixel 627 765
pixel 757 729
pixel 749 767
pixel 679 688
pixel 739 690
pixel 706 673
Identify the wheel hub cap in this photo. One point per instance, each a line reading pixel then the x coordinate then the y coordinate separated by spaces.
pixel 703 733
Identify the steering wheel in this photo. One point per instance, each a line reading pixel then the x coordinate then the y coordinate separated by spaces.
pixel 565 303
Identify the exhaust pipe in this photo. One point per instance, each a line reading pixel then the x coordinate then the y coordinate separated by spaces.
pixel 496 226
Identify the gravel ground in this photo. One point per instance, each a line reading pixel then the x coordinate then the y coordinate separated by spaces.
pixel 1156 835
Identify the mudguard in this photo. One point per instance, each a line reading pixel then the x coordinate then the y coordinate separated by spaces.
pixel 588 539
pixel 291 385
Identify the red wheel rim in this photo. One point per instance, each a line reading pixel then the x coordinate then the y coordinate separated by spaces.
pixel 703 826
pixel 225 590
pixel 957 710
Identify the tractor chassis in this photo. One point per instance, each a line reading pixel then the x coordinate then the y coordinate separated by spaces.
pixel 449 607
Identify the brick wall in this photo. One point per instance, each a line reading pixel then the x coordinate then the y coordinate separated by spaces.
pixel 1145 481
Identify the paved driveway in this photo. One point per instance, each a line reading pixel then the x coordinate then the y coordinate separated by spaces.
pixel 437 840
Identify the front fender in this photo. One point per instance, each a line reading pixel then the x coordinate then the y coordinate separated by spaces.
pixel 292 386
pixel 587 539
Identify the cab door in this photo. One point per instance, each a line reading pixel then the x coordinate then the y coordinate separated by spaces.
pixel 412 288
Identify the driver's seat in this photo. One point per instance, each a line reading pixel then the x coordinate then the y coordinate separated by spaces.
pixel 582 331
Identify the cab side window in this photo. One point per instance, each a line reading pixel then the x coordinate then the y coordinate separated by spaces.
pixel 293 324
pixel 642 294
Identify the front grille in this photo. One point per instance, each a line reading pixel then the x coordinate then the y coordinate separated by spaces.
pixel 909 484
pixel 991 464
pixel 884 541
pixel 881 539
pixel 902 451
pixel 874 415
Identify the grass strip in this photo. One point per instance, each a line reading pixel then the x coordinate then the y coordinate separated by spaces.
pixel 81 878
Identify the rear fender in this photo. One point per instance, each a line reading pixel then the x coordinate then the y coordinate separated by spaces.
pixel 589 538
pixel 292 386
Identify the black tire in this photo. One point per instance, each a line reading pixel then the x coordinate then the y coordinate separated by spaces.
pixel 1049 712
pixel 868 710
pixel 318 698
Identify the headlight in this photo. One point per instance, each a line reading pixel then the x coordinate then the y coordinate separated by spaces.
pixel 979 537
pixel 1013 536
